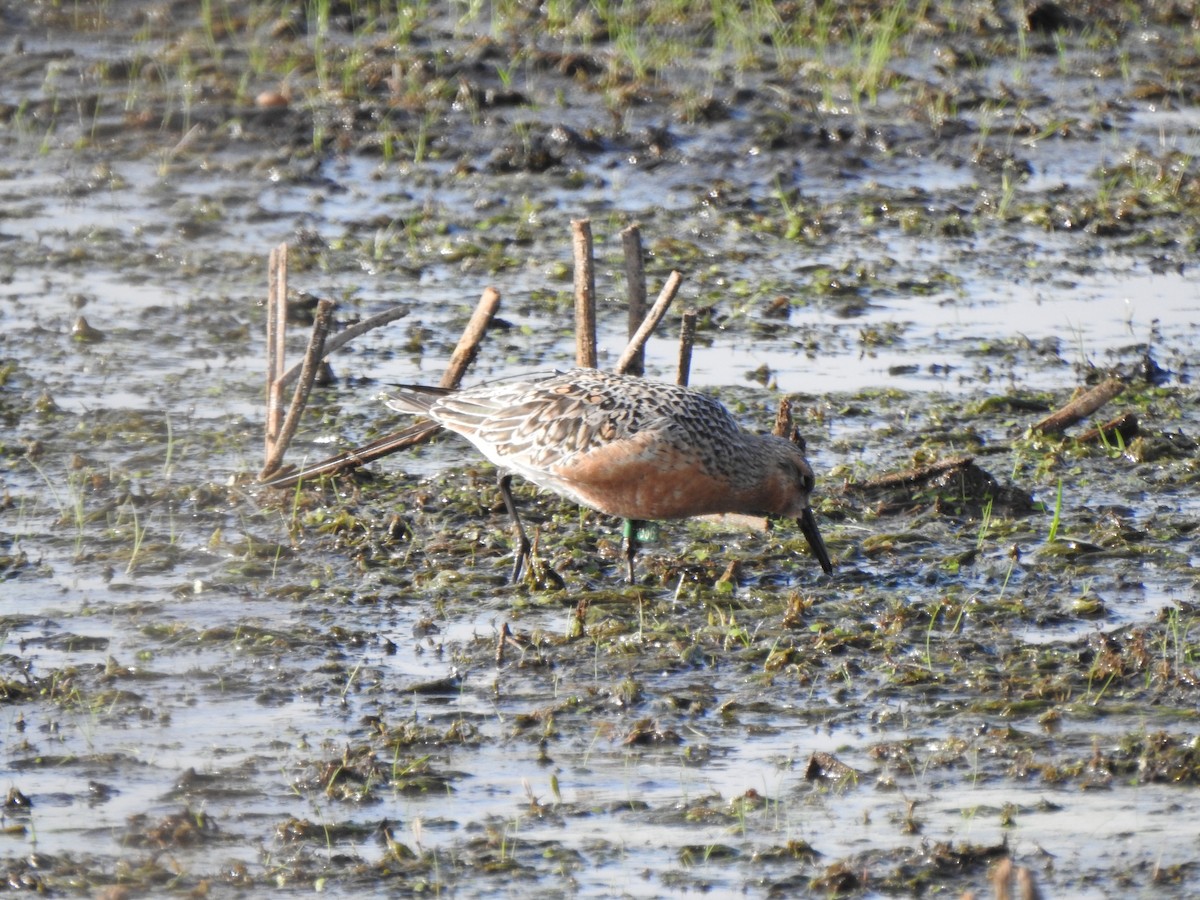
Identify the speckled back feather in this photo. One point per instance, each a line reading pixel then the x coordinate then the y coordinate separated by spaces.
pixel 547 423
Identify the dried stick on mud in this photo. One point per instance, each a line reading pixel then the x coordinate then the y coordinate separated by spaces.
pixel 783 420
pixel 585 293
pixel 468 345
pixel 419 432
pixel 911 477
pixel 414 434
pixel 635 288
pixel 276 334
pixel 345 336
pixel 1079 408
pixel 657 311
pixel 687 337
pixel 308 373
pixel 1124 428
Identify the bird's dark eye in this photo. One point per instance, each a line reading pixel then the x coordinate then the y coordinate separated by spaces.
pixel 799 476
pixel 806 480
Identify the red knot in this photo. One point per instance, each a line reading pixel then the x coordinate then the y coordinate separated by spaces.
pixel 631 448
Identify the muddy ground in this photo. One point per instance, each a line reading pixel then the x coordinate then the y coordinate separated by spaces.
pixel 928 224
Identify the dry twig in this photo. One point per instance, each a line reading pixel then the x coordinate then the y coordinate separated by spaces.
pixel 419 432
pixel 468 345
pixel 1124 426
pixel 276 333
pixel 345 336
pixel 1080 408
pixel 308 373
pixel 783 420
pixel 911 477
pixel 661 305
pixel 585 294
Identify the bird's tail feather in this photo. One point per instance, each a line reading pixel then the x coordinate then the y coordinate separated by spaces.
pixel 413 398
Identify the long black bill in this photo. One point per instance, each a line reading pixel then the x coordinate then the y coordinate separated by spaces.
pixel 808 527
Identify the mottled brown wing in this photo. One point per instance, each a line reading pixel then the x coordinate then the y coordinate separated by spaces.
pixel 545 426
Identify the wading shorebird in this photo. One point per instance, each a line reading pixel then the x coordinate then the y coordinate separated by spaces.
pixel 631 448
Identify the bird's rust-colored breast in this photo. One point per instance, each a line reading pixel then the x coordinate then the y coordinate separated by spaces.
pixel 644 477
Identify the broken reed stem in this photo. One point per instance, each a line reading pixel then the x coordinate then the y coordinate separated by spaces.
pixel 585 293
pixel 687 337
pixel 276 343
pixel 360 456
pixel 783 420
pixel 344 337
pixel 657 311
pixel 505 634
pixel 911 477
pixel 635 288
pixel 1079 408
pixel 308 373
pixel 468 345
pixel 1123 428
pixel 419 432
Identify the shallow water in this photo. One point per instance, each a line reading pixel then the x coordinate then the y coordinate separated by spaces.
pixel 176 641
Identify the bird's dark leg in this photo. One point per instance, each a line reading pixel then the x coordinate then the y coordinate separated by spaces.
pixel 523 545
pixel 631 546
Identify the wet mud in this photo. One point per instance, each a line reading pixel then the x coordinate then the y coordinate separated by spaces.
pixel 929 225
